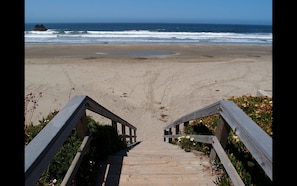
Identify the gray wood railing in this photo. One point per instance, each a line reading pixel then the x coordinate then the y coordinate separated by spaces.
pixel 41 150
pixel 257 141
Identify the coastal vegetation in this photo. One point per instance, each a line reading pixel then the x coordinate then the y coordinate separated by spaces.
pixel 259 109
pixel 106 141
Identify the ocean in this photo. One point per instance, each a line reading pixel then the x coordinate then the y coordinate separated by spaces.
pixel 142 33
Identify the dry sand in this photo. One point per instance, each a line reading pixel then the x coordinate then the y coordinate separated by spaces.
pixel 148 91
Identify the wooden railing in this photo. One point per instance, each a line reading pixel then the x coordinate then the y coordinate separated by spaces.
pixel 257 141
pixel 41 150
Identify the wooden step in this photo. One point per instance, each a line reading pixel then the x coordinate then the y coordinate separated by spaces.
pixel 156 163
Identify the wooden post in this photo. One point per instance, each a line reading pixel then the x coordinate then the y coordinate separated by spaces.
pixel 130 135
pixel 134 135
pixel 124 133
pixel 177 129
pixel 185 125
pixel 170 133
pixel 114 124
pixel 82 126
pixel 221 134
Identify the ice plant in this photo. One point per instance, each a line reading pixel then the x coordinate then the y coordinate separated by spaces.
pixel 186 142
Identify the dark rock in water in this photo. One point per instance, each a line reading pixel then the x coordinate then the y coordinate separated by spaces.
pixel 39 28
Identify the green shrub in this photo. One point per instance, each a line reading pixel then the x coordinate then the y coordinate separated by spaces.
pixel 32 130
pixel 259 109
pixel 186 142
pixel 105 141
pixel 59 165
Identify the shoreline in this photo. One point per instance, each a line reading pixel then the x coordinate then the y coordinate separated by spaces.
pixel 147 91
pixel 184 50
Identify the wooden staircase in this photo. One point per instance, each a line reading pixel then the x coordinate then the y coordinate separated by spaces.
pixel 156 163
pixel 149 162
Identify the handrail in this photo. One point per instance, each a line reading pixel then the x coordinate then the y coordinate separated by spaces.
pixel 43 147
pixel 256 140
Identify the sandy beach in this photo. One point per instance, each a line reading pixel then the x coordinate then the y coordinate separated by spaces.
pixel 148 85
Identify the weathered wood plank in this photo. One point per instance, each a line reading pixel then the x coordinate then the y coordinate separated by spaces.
pixel 99 109
pixel 258 142
pixel 206 111
pixel 40 151
pixel 231 171
pixel 221 134
pixel 71 172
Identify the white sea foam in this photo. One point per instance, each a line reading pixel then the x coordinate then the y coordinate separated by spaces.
pixel 144 36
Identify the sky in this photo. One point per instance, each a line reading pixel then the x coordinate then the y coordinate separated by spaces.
pixel 153 11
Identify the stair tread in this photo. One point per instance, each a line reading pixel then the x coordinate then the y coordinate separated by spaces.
pixel 157 163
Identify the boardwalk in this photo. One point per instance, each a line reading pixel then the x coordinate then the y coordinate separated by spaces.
pixel 154 164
